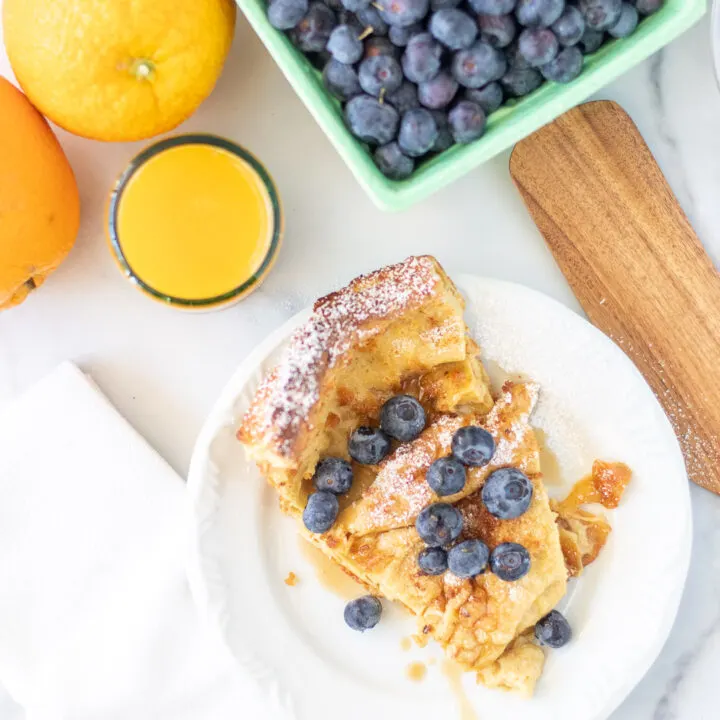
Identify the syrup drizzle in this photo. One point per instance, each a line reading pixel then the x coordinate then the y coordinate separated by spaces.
pixel 453 672
pixel 416 671
pixel 329 574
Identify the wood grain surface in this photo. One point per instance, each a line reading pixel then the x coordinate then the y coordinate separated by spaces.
pixel 634 263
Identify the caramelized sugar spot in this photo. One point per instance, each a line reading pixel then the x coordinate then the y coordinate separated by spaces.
pixel 605 485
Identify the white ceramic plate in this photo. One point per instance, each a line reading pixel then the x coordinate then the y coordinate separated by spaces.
pixel 293 641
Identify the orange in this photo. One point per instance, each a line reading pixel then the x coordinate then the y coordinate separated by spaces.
pixel 117 69
pixel 39 201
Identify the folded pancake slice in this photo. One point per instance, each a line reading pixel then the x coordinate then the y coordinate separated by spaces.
pixel 400 492
pixel 518 669
pixel 375 539
pixel 359 347
pixel 477 619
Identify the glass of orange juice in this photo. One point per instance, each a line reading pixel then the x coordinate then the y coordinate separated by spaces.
pixel 195 222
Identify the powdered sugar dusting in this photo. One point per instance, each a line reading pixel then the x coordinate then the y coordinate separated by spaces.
pixel 504 339
pixel 509 438
pixel 287 396
pixel 592 404
pixel 400 490
pixel 700 451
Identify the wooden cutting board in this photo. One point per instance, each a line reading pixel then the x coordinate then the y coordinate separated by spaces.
pixel 634 263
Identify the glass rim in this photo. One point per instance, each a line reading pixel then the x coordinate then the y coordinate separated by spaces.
pixel 195 139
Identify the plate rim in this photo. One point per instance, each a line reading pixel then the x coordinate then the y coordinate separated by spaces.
pixel 217 419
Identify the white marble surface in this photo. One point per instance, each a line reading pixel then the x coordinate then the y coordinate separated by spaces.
pixel 163 369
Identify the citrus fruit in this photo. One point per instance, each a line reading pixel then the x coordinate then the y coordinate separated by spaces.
pixel 39 202
pixel 120 70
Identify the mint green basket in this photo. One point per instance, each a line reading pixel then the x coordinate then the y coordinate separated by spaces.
pixel 505 127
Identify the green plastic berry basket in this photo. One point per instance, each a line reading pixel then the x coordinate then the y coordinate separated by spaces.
pixel 505 127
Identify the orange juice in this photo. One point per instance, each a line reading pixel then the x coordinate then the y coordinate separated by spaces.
pixel 195 221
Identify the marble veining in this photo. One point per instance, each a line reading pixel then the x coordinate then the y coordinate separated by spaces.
pixel 163 369
pixel 666 132
pixel 667 707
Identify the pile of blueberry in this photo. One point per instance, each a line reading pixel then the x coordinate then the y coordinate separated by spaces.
pixel 417 76
pixel 506 494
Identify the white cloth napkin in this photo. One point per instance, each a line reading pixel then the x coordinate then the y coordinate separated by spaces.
pixel 96 620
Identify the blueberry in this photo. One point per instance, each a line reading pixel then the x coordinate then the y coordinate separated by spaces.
pixel 418 132
pixel 600 14
pixel 439 92
pixel 627 23
pixel 538 46
pixel 565 67
pixel 648 7
pixel 376 46
pixel 444 139
pixel 404 98
pixel 553 630
pixel 468 559
pixel 335 5
pixel 344 44
pixel 478 65
pixel 446 476
pixel 467 121
pixel 392 162
pixel 367 445
pixel 380 74
pixel 539 13
pixel 341 80
pixel 510 561
pixel 400 36
pixel 497 30
pixel 421 59
pixel 403 12
pixel 489 98
pixel 312 33
pixel 436 5
pixel 439 524
pixel 363 613
pixel 369 17
pixel 569 27
pixel 591 41
pixel 493 7
pixel 334 475
pixel 518 82
pixel 473 446
pixel 355 5
pixel 321 511
pixel 453 28
pixel 370 120
pixel 286 14
pixel 402 417
pixel 507 493
pixel 433 561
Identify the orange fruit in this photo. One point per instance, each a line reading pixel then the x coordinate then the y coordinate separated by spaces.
pixel 117 69
pixel 39 201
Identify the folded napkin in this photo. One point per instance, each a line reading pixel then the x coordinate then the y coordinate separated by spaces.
pixel 96 620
